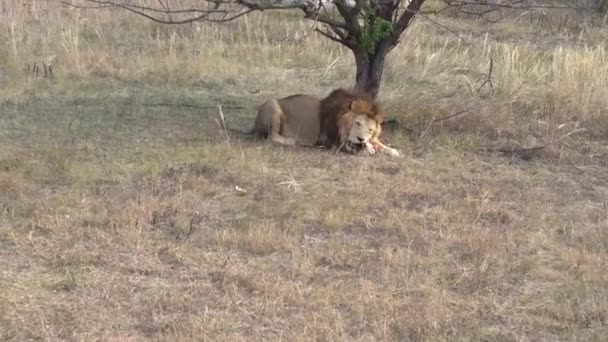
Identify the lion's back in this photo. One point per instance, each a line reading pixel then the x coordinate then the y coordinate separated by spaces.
pixel 301 118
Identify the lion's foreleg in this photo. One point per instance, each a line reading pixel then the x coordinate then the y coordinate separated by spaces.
pixel 322 139
pixel 383 148
pixel 342 144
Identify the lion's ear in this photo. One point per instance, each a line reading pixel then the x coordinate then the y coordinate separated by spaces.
pixel 353 105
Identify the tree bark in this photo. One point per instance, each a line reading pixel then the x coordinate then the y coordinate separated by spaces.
pixel 370 67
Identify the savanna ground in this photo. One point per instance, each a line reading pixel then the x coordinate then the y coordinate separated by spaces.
pixel 126 214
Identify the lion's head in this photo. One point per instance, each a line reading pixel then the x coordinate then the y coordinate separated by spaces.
pixel 360 125
pixel 350 118
pixel 362 130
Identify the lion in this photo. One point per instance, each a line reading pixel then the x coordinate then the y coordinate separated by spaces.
pixel 352 120
pixel 344 119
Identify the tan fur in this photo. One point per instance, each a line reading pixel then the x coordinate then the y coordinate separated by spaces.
pixel 342 119
pixel 290 120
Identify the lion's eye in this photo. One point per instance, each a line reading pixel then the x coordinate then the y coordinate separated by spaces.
pixel 358 123
pixel 371 130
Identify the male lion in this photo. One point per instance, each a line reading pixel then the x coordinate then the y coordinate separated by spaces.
pixel 344 119
pixel 353 120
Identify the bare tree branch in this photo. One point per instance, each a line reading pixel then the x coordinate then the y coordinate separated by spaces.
pixel 404 21
pixel 334 38
pixel 370 28
pixel 139 10
pixel 512 4
pixel 237 8
pixel 350 15
pixel 443 27
pixel 482 8
pixel 71 4
pixel 243 7
pixel 323 20
pixel 527 152
pixel 108 3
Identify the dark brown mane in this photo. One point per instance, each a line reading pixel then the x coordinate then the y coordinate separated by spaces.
pixel 336 105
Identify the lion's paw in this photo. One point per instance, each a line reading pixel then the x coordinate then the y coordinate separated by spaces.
pixel 370 149
pixel 289 141
pixel 393 152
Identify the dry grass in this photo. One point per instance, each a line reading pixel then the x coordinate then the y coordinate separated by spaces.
pixel 120 218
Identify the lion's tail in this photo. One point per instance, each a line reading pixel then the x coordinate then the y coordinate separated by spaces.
pixel 241 132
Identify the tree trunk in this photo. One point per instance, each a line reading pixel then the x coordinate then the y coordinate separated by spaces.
pixel 370 67
pixel 603 8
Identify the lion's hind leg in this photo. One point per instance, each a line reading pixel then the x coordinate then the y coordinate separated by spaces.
pixel 279 139
pixel 269 121
pixel 276 118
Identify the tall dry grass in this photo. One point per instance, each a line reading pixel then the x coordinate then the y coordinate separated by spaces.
pixel 565 70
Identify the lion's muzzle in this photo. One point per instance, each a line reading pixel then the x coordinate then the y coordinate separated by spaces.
pixel 355 147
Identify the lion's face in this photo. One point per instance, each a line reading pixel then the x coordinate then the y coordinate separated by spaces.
pixel 362 130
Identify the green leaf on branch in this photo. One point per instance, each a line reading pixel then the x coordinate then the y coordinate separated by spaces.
pixel 374 30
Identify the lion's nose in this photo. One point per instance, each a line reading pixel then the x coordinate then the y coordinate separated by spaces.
pixel 360 139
